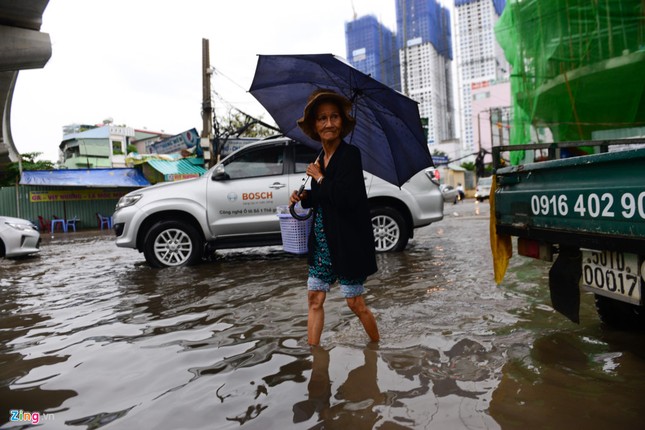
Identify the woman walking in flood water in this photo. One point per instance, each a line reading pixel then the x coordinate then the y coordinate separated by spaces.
pixel 341 243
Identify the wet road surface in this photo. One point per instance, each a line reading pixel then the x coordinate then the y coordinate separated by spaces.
pixel 91 337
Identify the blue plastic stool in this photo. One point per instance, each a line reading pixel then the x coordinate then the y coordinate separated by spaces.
pixel 57 221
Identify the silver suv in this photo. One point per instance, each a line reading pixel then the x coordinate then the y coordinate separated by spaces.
pixel 234 204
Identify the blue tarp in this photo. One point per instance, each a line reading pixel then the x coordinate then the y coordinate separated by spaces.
pixel 85 178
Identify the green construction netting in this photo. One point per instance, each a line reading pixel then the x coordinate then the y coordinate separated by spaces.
pixel 578 66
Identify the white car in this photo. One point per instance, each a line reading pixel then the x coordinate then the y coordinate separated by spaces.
pixel 234 205
pixel 450 193
pixel 18 237
pixel 483 188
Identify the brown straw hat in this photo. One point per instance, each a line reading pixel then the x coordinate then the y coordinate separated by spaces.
pixel 306 123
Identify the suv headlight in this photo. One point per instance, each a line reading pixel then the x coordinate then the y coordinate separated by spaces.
pixel 129 200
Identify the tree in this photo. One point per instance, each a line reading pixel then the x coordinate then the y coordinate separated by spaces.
pixel 468 165
pixel 240 124
pixel 11 175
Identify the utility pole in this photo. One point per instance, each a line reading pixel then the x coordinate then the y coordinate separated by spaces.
pixel 500 126
pixel 479 132
pixel 490 120
pixel 207 105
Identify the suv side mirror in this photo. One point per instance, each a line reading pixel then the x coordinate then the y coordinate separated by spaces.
pixel 220 174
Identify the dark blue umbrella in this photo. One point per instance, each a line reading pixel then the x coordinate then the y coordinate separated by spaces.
pixel 388 127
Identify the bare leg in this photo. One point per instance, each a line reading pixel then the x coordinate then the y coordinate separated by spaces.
pixel 316 316
pixel 358 306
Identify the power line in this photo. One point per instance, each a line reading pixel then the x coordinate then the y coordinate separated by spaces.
pixel 253 119
pixel 219 72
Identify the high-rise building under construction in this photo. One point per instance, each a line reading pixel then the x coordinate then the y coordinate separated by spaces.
pixel 424 41
pixel 371 49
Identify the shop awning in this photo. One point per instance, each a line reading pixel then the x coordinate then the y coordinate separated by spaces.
pixel 125 177
pixel 179 169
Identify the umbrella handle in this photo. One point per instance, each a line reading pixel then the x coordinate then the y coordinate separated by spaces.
pixel 292 208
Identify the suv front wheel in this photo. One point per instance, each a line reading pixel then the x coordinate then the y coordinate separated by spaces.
pixel 172 244
pixel 390 231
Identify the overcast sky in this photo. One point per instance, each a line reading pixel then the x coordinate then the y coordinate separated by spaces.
pixel 139 62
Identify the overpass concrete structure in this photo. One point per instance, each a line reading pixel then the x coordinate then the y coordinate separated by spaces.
pixel 22 46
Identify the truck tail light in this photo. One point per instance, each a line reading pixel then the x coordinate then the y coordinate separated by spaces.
pixel 534 249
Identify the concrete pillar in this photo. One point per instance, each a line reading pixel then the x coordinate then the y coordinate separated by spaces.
pixel 23 49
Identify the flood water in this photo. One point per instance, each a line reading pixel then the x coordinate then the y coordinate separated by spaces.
pixel 91 337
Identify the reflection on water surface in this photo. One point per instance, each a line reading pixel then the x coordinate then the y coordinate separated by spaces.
pixel 92 337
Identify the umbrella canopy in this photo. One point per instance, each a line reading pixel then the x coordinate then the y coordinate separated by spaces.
pixel 388 127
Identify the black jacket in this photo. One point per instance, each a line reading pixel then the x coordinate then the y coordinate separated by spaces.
pixel 346 215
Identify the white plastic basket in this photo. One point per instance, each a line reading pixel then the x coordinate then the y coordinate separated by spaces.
pixel 294 233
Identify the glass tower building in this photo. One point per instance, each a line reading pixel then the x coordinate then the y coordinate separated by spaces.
pixel 371 48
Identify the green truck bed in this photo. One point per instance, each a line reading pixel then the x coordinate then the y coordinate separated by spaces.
pixel 590 201
pixel 589 212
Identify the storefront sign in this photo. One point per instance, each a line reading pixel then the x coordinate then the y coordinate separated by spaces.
pixel 180 176
pixel 174 144
pixel 478 85
pixel 66 196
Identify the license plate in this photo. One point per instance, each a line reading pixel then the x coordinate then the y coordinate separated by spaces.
pixel 612 274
